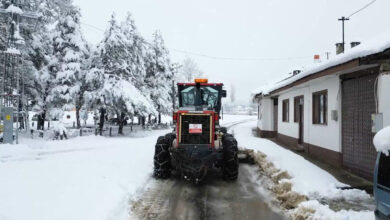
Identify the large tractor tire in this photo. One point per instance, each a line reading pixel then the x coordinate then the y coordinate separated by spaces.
pixel 230 158
pixel 162 159
pixel 170 137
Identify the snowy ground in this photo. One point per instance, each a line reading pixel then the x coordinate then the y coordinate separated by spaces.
pixel 82 178
pixel 96 177
pixel 308 179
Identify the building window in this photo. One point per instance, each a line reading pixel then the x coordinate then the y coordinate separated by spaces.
pixel 320 107
pixel 297 102
pixel 286 110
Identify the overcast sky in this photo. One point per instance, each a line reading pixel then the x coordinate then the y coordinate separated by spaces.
pixel 276 29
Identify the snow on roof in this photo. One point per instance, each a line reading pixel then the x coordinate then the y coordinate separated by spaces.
pixel 382 141
pixel 14 9
pixel 376 45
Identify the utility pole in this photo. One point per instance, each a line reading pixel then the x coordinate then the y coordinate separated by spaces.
pixel 16 16
pixel 343 19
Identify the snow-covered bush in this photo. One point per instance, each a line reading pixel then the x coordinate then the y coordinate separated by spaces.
pixel 382 141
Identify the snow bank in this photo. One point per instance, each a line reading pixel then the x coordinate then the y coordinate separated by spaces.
pixel 382 141
pixel 299 184
pixel 314 210
pixel 59 128
pixel 376 45
pixel 307 179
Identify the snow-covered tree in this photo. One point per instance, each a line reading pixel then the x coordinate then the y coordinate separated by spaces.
pixel 136 53
pixel 123 82
pixel 88 82
pixel 189 70
pixel 159 75
pixel 40 54
pixel 70 52
pixel 93 80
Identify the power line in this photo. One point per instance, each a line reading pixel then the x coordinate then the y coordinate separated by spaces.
pixel 237 58
pixel 366 6
pixel 214 57
pixel 93 27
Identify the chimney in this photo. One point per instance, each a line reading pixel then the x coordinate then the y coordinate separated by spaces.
pixel 339 48
pixel 317 58
pixel 354 44
pixel 296 72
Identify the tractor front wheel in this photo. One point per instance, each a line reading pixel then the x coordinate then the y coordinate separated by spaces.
pixel 162 159
pixel 230 158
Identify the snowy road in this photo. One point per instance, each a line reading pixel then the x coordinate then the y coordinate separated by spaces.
pixel 175 198
pixel 215 199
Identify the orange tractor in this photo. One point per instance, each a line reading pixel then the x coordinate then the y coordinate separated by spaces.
pixel 197 143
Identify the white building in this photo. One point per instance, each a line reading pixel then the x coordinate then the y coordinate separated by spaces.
pixel 328 110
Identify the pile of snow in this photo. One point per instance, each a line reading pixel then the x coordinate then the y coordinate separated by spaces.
pixel 304 178
pixel 382 141
pixel 324 212
pixel 59 128
pixel 307 179
pixel 14 9
pixel 376 45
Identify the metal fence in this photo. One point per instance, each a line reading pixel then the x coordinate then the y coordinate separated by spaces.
pixel 108 131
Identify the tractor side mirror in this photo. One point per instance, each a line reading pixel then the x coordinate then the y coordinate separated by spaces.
pixel 224 94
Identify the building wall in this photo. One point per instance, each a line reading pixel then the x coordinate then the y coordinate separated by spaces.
pixel 290 128
pixel 325 136
pixel 321 141
pixel 383 97
pixel 265 122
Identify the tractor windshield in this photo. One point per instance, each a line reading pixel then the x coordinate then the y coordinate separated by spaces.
pixel 207 97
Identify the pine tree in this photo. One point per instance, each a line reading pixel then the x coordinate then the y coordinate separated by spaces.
pixel 159 75
pixel 121 91
pixel 70 51
pixel 136 53
pixel 40 54
pixel 93 80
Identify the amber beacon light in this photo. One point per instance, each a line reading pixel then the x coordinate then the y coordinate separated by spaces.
pixel 201 80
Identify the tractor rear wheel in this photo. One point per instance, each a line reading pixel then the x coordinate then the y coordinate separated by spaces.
pixel 223 130
pixel 230 158
pixel 162 159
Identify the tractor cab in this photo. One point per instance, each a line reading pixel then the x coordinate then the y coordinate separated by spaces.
pixel 201 96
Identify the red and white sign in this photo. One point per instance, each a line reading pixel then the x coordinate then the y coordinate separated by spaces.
pixel 195 129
